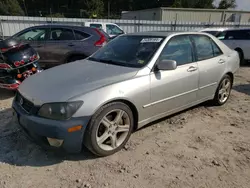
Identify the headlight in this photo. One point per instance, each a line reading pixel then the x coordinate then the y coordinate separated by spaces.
pixel 59 111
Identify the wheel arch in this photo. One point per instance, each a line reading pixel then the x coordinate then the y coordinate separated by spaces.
pixel 231 76
pixel 238 49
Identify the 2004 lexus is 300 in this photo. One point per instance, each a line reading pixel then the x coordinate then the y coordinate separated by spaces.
pixel 133 80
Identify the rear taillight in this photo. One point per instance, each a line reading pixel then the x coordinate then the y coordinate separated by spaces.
pixel 102 41
pixel 4 66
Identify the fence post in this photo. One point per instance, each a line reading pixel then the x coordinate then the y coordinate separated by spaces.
pixel 1 29
pixel 175 23
pixel 224 19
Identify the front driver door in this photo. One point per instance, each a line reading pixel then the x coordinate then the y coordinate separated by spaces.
pixel 177 88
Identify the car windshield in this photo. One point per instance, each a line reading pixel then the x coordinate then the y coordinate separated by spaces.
pixel 128 50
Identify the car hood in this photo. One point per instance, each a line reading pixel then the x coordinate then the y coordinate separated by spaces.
pixel 61 83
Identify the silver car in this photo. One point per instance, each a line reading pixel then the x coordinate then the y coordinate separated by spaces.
pixel 132 81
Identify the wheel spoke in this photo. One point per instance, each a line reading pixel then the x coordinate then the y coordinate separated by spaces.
pixel 227 86
pixel 118 117
pixel 106 122
pixel 123 128
pixel 223 83
pixel 103 138
pixel 221 92
pixel 113 141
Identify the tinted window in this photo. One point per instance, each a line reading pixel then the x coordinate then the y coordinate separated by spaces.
pixel 99 26
pixel 62 34
pixel 33 35
pixel 113 30
pixel 81 35
pixel 135 51
pixel 238 35
pixel 179 48
pixel 204 47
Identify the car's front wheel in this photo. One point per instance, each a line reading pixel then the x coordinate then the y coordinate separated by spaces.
pixel 109 129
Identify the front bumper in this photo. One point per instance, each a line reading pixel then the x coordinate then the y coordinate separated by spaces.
pixel 39 129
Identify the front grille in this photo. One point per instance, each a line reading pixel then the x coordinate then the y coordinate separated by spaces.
pixel 24 103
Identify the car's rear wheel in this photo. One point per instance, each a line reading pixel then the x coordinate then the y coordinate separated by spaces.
pixel 109 129
pixel 223 91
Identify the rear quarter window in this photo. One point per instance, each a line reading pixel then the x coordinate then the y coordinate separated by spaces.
pixel 81 35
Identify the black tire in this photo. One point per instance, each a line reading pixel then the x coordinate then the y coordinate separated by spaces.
pixel 90 138
pixel 216 101
pixel 241 56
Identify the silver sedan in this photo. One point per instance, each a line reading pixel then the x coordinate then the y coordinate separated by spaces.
pixel 132 81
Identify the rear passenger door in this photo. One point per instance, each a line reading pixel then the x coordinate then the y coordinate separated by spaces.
pixel 60 43
pixel 211 63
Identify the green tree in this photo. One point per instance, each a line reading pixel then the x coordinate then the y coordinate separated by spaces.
pixel 193 4
pixel 10 7
pixel 94 8
pixel 225 4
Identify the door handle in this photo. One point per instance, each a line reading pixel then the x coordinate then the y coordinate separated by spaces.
pixel 192 69
pixel 71 45
pixel 221 61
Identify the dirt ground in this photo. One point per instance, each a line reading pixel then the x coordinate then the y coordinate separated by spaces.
pixel 203 147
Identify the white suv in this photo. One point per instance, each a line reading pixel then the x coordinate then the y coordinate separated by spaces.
pixel 237 39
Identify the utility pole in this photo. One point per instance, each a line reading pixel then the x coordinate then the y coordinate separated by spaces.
pixel 26 13
pixel 108 9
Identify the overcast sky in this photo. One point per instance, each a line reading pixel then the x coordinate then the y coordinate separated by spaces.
pixel 241 4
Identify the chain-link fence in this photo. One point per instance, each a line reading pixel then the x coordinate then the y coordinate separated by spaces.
pixel 10 25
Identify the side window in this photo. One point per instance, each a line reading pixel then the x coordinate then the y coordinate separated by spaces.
pixel 238 35
pixel 221 35
pixel 33 35
pixel 61 34
pixel 80 35
pixel 179 48
pixel 204 47
pixel 217 51
pixel 113 30
pixel 99 26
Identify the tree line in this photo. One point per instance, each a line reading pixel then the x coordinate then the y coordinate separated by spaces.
pixel 98 8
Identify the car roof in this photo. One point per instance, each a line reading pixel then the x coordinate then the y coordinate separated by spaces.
pixel 224 29
pixel 101 23
pixel 60 25
pixel 164 33
pixel 214 29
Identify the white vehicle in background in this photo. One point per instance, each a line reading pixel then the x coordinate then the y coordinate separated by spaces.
pixel 237 39
pixel 113 30
pixel 213 31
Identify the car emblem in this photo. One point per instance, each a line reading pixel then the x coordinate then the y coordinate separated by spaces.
pixel 21 101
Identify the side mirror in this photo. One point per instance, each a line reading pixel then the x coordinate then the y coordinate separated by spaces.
pixel 166 65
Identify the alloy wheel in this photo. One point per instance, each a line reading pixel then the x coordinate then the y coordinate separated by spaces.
pixel 113 129
pixel 224 90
